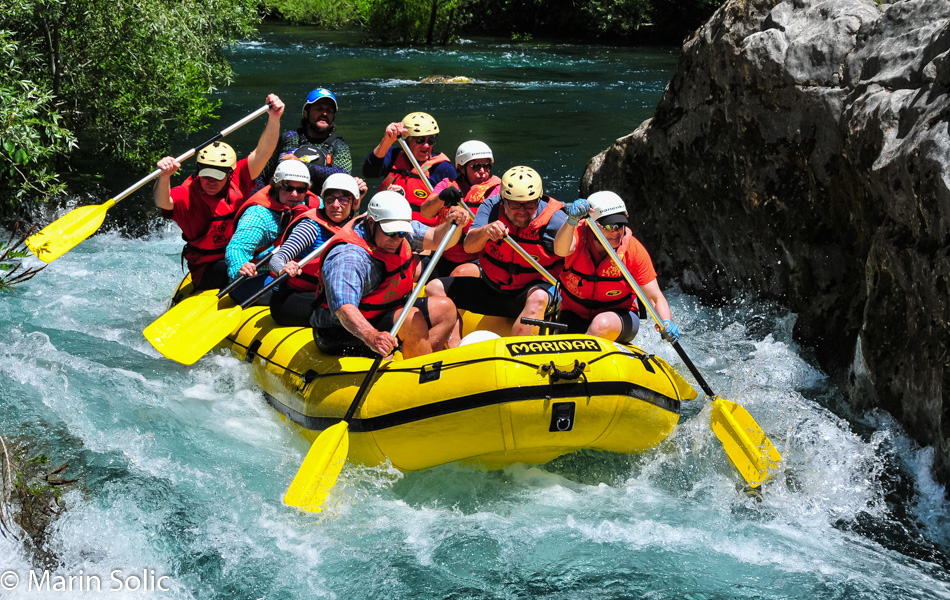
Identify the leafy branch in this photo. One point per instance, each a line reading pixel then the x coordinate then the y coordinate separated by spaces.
pixel 10 256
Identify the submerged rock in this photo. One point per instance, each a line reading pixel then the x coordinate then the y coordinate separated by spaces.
pixel 446 79
pixel 801 152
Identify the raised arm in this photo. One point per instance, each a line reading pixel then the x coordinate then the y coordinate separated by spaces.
pixel 161 192
pixel 257 159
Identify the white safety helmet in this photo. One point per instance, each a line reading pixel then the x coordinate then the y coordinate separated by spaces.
pixel 341 181
pixel 471 150
pixel 292 170
pixel 521 184
pixel 607 208
pixel 604 204
pixel 391 211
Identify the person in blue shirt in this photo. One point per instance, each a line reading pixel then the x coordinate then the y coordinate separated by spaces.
pixel 292 302
pixel 366 275
pixel 264 216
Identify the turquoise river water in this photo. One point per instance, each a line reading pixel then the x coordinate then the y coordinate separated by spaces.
pixel 181 469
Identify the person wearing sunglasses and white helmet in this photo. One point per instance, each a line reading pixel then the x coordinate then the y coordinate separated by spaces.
pixel 366 278
pixel 265 216
pixel 389 162
pixel 475 183
pixel 509 285
pixel 292 302
pixel 595 297
pixel 317 131
pixel 205 203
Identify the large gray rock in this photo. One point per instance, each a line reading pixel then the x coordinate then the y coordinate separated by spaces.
pixel 801 152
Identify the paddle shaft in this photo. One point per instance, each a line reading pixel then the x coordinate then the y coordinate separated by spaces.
pixel 517 247
pixel 191 152
pixel 284 276
pixel 241 278
pixel 401 319
pixel 599 233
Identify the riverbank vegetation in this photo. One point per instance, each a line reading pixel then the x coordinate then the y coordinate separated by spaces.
pixel 439 21
pixel 30 498
pixel 11 255
pixel 99 80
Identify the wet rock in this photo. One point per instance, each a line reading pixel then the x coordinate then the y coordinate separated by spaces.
pixel 801 152
pixel 446 79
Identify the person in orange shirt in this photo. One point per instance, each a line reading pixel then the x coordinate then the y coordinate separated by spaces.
pixel 595 297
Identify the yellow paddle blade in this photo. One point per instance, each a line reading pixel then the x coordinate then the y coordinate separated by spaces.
pixel 744 441
pixel 193 327
pixel 59 237
pixel 318 473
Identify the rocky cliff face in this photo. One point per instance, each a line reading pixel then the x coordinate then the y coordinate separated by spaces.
pixel 801 151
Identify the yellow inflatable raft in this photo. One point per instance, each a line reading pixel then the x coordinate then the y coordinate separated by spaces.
pixel 494 402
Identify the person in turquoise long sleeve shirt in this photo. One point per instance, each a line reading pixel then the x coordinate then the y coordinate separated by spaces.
pixel 262 218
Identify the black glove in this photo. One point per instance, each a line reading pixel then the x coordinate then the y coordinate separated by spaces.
pixel 451 196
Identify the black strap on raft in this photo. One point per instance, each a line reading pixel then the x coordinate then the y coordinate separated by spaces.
pixel 554 374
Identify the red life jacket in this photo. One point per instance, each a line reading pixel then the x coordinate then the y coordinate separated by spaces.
pixel 209 246
pixel 473 198
pixel 589 289
pixel 402 174
pixel 506 268
pixel 308 280
pixel 397 282
pixel 282 213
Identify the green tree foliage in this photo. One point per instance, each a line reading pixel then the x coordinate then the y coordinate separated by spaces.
pixel 111 79
pixel 11 257
pixel 415 21
pixel 331 14
pixel 31 135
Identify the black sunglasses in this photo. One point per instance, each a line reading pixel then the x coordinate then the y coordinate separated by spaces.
pixel 395 234
pixel 425 140
pixel 300 189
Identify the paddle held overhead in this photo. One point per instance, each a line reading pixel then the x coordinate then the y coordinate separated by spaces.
pixel 60 236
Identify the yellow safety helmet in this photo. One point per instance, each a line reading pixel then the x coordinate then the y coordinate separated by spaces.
pixel 521 184
pixel 219 156
pixel 420 123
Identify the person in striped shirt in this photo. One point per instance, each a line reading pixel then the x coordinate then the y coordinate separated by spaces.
pixel 292 302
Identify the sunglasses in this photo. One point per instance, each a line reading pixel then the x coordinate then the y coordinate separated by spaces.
pixel 395 234
pixel 529 205
pixel 341 199
pixel 298 189
pixel 480 166
pixel 425 140
pixel 611 226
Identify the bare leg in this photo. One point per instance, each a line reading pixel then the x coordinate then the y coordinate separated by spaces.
pixel 534 308
pixel 606 325
pixel 445 324
pixel 435 288
pixel 466 270
pixel 414 334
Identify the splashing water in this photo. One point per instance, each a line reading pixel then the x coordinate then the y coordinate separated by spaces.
pixel 182 471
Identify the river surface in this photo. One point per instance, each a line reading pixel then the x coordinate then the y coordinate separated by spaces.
pixel 181 469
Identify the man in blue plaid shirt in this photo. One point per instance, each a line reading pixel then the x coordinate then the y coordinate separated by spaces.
pixel 367 276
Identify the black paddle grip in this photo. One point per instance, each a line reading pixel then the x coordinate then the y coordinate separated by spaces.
pixel 692 369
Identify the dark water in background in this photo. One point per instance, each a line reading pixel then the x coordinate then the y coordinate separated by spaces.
pixel 549 106
pixel 182 468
